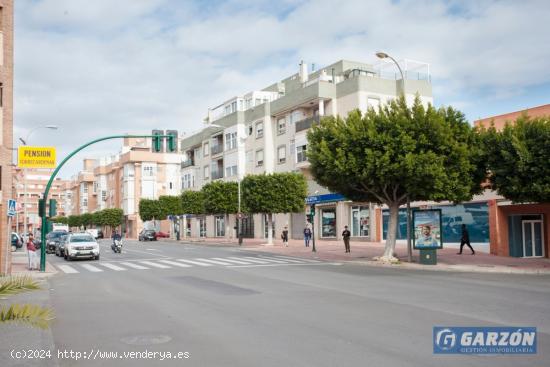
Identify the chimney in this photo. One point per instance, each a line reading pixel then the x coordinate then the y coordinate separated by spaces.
pixel 303 72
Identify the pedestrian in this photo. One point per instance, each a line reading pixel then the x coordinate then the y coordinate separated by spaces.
pixel 346 234
pixel 31 250
pixel 307 235
pixel 284 236
pixel 465 240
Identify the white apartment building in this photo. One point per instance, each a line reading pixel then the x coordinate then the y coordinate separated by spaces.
pixel 265 131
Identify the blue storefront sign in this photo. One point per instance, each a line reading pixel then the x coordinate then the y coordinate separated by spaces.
pixel 484 340
pixel 316 199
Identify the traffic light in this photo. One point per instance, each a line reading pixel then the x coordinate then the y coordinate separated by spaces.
pixel 53 208
pixel 41 208
pixel 172 141
pixel 158 141
pixel 312 210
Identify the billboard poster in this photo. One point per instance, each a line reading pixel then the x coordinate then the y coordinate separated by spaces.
pixel 427 233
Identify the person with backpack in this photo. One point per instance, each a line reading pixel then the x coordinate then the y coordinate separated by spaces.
pixel 307 235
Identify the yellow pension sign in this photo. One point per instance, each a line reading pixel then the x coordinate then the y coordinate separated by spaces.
pixel 36 157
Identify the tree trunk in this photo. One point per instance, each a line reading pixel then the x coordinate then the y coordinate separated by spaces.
pixel 392 233
pixel 270 229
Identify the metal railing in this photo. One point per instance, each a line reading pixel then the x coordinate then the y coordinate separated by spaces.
pixel 187 163
pixel 217 174
pixel 216 149
pixel 306 123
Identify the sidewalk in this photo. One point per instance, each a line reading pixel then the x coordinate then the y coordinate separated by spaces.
pixel 363 252
pixel 20 266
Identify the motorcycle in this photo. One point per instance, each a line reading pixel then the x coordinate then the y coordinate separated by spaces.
pixel 116 246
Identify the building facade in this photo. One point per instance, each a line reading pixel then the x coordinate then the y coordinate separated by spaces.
pixel 6 128
pixel 265 131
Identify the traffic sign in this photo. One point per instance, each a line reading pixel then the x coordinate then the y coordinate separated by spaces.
pixel 12 208
pixel 36 157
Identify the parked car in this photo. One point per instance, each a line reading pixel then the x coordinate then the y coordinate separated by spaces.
pixel 52 239
pixel 161 234
pixel 16 241
pixel 60 245
pixel 147 235
pixel 81 245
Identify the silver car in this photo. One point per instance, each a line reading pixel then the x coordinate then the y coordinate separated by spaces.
pixel 81 245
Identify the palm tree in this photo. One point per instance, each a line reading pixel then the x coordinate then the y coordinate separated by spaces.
pixel 32 315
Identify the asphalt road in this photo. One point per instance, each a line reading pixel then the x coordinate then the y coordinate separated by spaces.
pixel 241 308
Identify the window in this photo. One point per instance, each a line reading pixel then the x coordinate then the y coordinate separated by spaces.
pixel 248 103
pixel 281 154
pixel 230 171
pixel 250 129
pixel 197 153
pixel 258 102
pixel 259 129
pixel 84 188
pixel 148 171
pixel 206 172
pixel 85 202
pixel 234 106
pixel 360 221
pixel 259 158
pixel 220 225
pixel 328 222
pixel 227 109
pixel 230 141
pixel 103 195
pixel 281 126
pixel 1 94
pixel 205 149
pixel 187 182
pixel 202 226
pixel 301 153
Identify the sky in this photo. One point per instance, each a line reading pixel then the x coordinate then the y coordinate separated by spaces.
pixel 102 67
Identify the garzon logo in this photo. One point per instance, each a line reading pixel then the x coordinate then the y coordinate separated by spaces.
pixel 445 339
pixel 484 340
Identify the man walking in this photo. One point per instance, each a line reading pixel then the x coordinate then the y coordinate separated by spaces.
pixel 31 249
pixel 307 235
pixel 465 240
pixel 346 234
pixel 284 236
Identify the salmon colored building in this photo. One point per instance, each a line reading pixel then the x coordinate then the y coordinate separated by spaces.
pixel 518 230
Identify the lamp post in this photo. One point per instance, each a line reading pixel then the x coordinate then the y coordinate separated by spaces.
pixel 51 127
pixel 383 55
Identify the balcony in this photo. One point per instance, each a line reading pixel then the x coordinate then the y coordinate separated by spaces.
pixel 217 174
pixel 306 123
pixel 187 163
pixel 216 149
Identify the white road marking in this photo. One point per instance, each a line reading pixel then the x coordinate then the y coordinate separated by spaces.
pixel 295 258
pixel 175 263
pixel 214 261
pixel 250 259
pixel 91 268
pixel 111 266
pixel 67 269
pixel 155 265
pixel 278 261
pixel 194 262
pixel 135 266
pixel 231 261
pixel 287 264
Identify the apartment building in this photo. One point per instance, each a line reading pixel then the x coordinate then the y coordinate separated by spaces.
pixel 265 131
pixel 121 180
pixel 28 187
pixel 6 128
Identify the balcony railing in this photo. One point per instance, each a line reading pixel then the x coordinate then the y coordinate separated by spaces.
pixel 217 174
pixel 306 123
pixel 187 163
pixel 216 149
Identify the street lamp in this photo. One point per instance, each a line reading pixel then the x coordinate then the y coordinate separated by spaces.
pixel 51 127
pixel 383 55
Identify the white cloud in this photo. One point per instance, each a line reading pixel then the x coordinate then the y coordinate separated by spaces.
pixel 103 67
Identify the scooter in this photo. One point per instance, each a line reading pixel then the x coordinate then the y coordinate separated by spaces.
pixel 116 246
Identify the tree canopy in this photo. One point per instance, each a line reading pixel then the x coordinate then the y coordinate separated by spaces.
pixel 170 205
pixel 518 159
pixel 395 152
pixel 220 197
pixel 150 209
pixel 274 193
pixel 112 217
pixel 192 202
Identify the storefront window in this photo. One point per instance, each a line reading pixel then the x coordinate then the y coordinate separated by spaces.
pixel 266 226
pixel 328 222
pixel 360 221
pixel 220 226
pixel 202 227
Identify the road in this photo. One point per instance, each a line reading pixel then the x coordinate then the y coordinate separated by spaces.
pixel 225 306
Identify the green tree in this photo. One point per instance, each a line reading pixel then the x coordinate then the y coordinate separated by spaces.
pixel 192 202
pixel 518 159
pixel 274 193
pixel 170 205
pixel 86 220
pixel 112 217
pixel 397 152
pixel 60 220
pixel 98 218
pixel 149 209
pixel 74 221
pixel 220 197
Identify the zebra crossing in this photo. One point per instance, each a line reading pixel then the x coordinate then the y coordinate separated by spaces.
pixel 171 263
